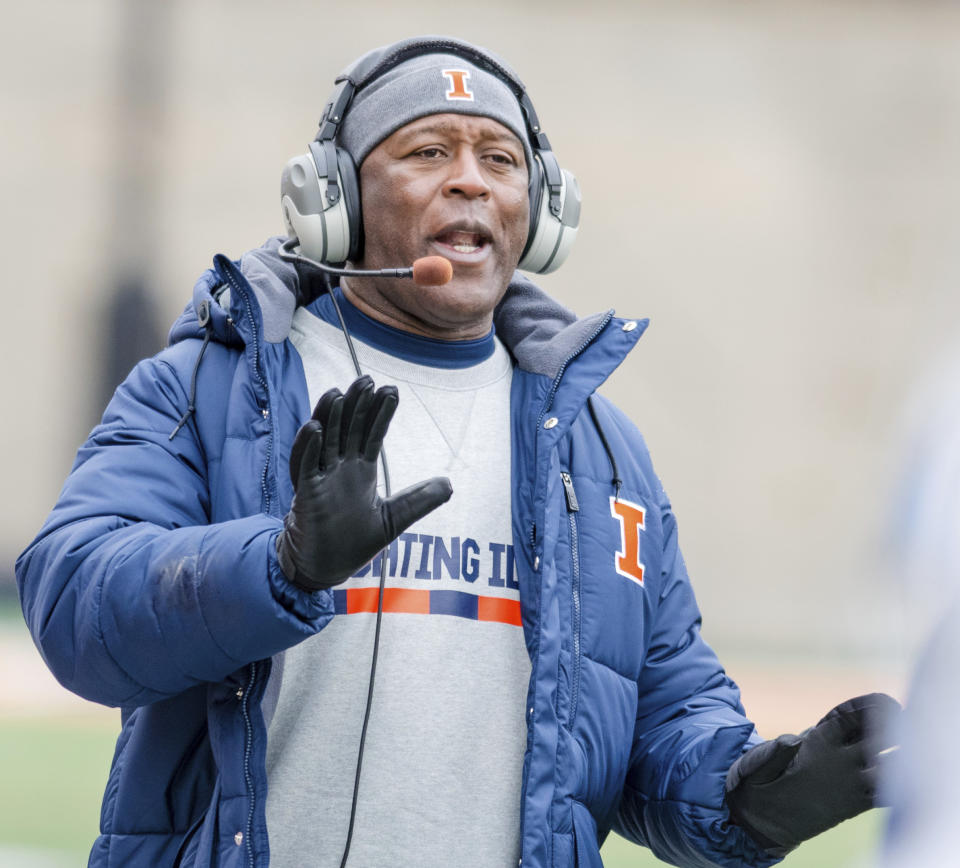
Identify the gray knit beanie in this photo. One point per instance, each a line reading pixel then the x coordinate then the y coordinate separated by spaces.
pixel 428 84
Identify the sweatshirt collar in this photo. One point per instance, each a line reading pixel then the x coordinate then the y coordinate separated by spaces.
pixel 418 349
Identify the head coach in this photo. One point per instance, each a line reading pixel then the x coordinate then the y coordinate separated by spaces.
pixel 373 574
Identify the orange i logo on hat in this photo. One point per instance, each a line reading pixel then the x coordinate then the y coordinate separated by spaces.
pixel 458 84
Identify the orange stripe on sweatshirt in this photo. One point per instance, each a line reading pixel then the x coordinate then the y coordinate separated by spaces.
pixel 501 611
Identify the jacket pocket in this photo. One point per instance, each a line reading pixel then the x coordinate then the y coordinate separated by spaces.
pixel 196 849
pixel 187 854
pixel 586 848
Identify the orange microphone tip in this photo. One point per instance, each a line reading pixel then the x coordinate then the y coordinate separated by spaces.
pixel 432 271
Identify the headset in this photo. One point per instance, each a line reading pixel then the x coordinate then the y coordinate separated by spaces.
pixel 320 190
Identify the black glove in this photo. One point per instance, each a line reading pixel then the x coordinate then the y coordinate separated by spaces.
pixel 785 791
pixel 337 521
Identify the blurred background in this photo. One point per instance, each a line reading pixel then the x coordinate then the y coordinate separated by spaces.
pixel 774 185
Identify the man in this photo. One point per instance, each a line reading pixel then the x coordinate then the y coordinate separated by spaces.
pixel 214 564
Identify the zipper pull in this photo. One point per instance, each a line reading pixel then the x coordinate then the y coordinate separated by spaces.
pixel 572 505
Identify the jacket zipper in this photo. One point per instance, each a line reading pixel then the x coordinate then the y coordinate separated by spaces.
pixel 265 493
pixel 247 747
pixel 573 507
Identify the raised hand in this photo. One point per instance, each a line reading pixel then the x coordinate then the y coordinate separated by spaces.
pixel 337 521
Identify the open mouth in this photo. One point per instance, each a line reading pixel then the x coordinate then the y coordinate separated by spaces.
pixel 463 242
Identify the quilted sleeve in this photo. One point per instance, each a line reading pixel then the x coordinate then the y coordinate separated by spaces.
pixel 130 593
pixel 690 728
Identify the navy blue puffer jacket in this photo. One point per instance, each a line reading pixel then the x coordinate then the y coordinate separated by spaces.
pixel 154 586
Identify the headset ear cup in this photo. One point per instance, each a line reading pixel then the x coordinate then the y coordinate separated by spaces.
pixel 350 192
pixel 552 234
pixel 313 204
pixel 535 192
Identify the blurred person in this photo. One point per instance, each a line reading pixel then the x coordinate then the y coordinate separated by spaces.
pixel 223 559
pixel 922 783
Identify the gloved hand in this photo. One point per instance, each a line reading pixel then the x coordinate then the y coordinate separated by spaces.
pixel 785 791
pixel 337 521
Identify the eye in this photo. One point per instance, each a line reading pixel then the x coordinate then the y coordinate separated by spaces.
pixel 431 152
pixel 501 159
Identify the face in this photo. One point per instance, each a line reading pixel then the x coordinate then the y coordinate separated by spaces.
pixel 447 184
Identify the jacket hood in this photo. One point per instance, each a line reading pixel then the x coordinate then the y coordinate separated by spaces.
pixel 540 333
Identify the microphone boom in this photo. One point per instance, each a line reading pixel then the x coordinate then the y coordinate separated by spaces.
pixel 426 271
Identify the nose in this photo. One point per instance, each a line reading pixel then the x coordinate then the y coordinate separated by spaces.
pixel 466 177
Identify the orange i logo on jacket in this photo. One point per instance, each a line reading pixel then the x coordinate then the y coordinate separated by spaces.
pixel 632 518
pixel 458 84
